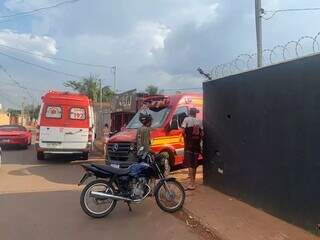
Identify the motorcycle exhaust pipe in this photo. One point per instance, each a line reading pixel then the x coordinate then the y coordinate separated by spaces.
pixel 102 195
pixel 111 196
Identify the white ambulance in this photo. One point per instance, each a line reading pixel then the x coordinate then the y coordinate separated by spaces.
pixel 65 125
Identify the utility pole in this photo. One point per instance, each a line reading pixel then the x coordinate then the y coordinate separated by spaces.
pixel 259 11
pixel 22 111
pixel 114 71
pixel 100 81
pixel 101 114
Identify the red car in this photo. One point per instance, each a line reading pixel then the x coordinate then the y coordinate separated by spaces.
pixel 15 135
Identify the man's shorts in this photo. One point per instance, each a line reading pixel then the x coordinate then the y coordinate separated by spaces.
pixel 190 159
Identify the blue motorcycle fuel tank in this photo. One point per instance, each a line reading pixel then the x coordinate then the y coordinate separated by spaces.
pixel 140 170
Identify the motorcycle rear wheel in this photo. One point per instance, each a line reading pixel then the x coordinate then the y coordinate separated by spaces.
pixel 86 200
pixel 170 195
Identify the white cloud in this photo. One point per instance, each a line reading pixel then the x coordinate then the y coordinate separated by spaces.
pixel 40 45
pixel 160 42
pixel 150 36
pixel 200 13
pixel 131 51
pixel 270 4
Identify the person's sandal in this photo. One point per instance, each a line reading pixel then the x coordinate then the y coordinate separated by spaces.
pixel 189 188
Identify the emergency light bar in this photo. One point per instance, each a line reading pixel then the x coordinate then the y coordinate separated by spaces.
pixel 156 102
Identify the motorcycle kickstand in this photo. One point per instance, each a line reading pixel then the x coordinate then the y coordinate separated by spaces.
pixel 129 206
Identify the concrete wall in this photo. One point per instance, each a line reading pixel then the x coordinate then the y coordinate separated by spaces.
pixel 102 116
pixel 262 131
pixel 4 118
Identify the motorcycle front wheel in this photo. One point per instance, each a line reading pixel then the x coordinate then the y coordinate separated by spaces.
pixel 170 195
pixel 95 207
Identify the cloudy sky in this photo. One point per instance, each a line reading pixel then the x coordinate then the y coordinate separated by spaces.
pixel 159 42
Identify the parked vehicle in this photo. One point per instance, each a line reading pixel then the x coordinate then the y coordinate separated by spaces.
pixel 65 125
pixel 0 157
pixel 131 185
pixel 168 114
pixel 15 135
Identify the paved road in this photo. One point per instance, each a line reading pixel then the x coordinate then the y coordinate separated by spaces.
pixel 40 200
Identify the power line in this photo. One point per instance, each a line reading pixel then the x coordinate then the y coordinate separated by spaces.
pixel 273 13
pixel 7 98
pixel 16 82
pixel 27 13
pixel 41 67
pixel 56 58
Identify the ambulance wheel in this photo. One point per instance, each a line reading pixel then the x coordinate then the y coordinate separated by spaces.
pixel 40 156
pixel 85 156
pixel 171 159
pixel 25 146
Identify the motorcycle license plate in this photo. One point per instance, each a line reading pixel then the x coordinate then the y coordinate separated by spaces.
pixel 115 165
pixel 53 145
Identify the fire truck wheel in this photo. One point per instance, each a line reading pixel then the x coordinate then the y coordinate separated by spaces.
pixel 40 156
pixel 170 158
pixel 85 156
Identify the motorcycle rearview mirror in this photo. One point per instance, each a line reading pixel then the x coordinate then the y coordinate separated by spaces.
pixel 140 151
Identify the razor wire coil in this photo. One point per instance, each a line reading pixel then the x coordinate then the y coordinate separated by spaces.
pixel 279 53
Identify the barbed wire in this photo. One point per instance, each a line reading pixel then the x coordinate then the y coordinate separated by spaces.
pixel 279 53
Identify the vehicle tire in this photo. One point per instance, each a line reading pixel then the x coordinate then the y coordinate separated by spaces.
pixel 170 159
pixel 40 156
pixel 85 156
pixel 159 194
pixel 84 199
pixel 0 157
pixel 25 146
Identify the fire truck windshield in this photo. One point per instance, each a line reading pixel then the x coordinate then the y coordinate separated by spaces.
pixel 158 118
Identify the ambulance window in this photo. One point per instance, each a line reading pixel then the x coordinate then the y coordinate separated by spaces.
pixel 77 114
pixel 181 114
pixel 54 112
pixel 182 110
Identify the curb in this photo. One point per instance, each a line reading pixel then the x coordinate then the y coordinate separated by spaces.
pixel 98 145
pixel 198 225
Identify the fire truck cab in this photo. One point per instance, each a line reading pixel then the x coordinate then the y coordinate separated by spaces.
pixel 168 113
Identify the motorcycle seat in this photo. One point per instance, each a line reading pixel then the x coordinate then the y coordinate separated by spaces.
pixel 117 171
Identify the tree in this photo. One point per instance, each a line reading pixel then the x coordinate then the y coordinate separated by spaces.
pixel 14 112
pixel 32 111
pixel 152 90
pixel 90 86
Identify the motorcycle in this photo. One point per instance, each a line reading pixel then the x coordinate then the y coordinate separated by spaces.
pixel 131 185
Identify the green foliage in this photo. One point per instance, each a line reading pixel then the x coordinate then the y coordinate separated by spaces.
pixel 13 112
pixel 90 86
pixel 32 111
pixel 107 94
pixel 152 90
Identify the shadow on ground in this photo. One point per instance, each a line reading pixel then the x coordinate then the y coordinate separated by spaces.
pixel 58 215
pixel 16 155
